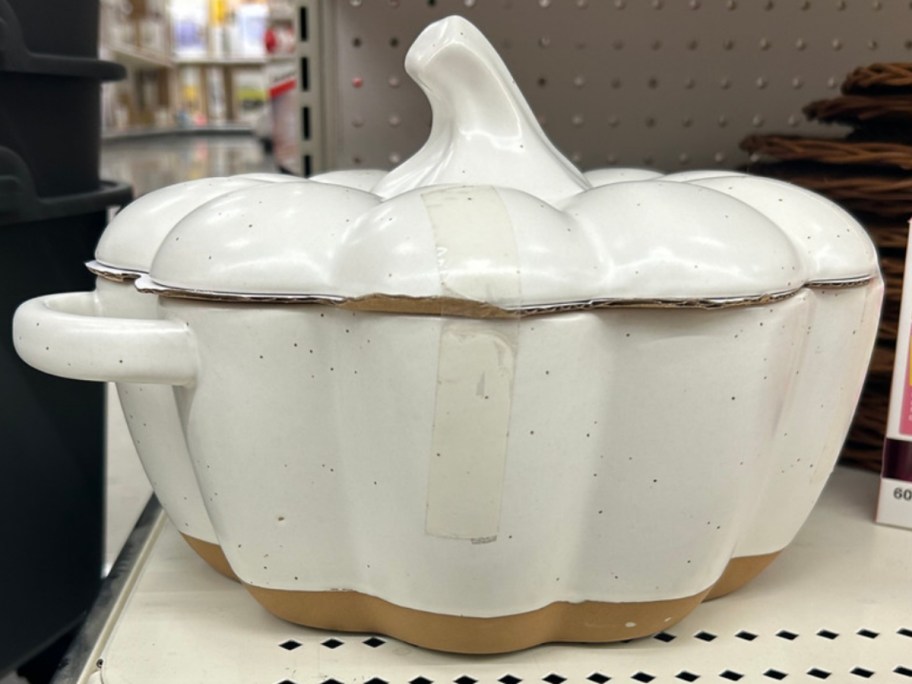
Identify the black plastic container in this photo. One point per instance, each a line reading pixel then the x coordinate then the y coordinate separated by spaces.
pixel 50 91
pixel 57 37
pixel 71 29
pixel 51 430
pixel 54 122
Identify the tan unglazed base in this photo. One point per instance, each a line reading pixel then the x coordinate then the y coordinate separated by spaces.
pixel 212 554
pixel 739 572
pixel 586 622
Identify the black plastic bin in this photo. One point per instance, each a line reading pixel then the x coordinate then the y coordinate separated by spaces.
pixel 51 429
pixel 54 122
pixel 65 27
pixel 50 91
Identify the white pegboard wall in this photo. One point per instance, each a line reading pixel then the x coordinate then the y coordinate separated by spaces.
pixel 668 84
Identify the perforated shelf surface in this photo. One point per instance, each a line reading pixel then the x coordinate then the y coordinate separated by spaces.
pixel 836 607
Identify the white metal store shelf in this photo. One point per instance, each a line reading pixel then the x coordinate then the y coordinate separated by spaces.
pixel 836 606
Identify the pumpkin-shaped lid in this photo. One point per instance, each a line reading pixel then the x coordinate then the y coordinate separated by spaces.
pixel 131 239
pixel 488 218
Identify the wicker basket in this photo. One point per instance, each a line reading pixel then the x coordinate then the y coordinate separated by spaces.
pixel 830 150
pixel 855 110
pixel 879 78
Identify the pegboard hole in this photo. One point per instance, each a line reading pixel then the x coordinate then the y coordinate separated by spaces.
pixel 827 634
pixel 731 675
pixel 787 635
pixel 642 677
pixel 332 644
pixel 554 678
pixel 465 679
pixel 867 633
pixel 904 671
pixel 747 636
pixel 686 676
pixel 374 642
pixel 509 679
pixel 818 673
pixel 775 674
pixel 598 678
pixel 705 636
pixel 290 645
pixel 664 637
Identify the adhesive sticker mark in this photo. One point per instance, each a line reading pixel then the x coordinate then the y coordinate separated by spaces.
pixel 476 365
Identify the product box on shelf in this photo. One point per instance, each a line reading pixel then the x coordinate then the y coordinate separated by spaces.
pixel 894 506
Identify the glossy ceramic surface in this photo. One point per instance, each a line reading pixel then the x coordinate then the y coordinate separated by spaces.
pixel 124 252
pixel 487 394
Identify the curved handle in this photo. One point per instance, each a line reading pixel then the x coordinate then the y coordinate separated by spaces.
pixel 62 334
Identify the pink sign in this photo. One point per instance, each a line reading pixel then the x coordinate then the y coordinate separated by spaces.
pixel 905 418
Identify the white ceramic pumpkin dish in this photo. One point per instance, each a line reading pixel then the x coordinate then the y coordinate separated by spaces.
pixel 125 252
pixel 489 401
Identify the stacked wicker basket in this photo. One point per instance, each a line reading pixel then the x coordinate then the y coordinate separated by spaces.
pixel 869 172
